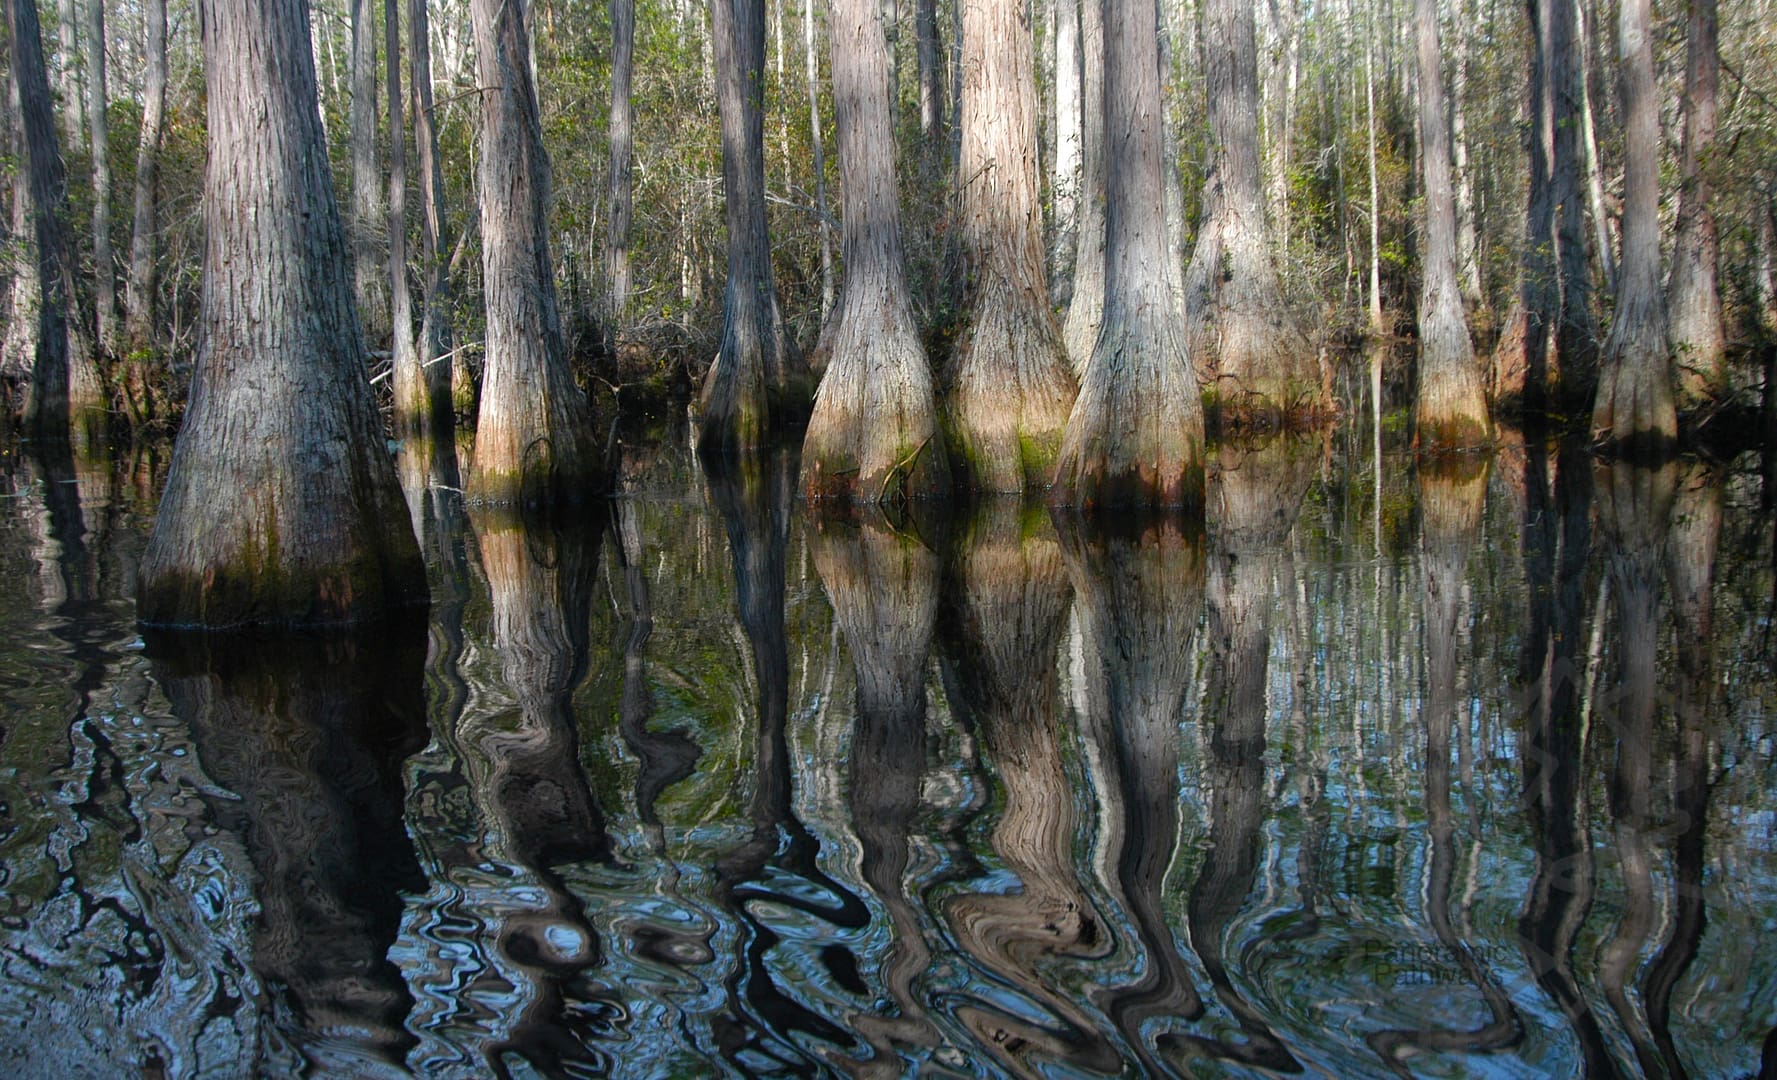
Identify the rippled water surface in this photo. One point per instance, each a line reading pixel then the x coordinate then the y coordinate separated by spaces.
pixel 1439 771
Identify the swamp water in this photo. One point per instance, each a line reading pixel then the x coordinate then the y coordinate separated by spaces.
pixel 1384 771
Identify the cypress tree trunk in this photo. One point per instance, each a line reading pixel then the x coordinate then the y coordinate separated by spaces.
pixel 435 335
pixel 1085 309
pixel 818 144
pixel 1064 181
pixel 1576 332
pixel 1451 410
pixel 751 380
pixel 1634 413
pixel 24 293
pixel 1243 339
pixel 138 296
pixel 99 130
pixel 367 202
pixel 413 405
pixel 70 88
pixel 620 190
pixel 1010 385
pixel 533 439
pixel 282 504
pixel 1135 437
pixel 64 397
pixel 1696 332
pixel 874 431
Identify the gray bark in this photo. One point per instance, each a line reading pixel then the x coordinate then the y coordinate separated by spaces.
pixel 99 128
pixel 369 265
pixel 1085 309
pixel 1698 341
pixel 873 433
pixel 533 440
pixel 138 297
pixel 1009 383
pixel 1135 436
pixel 1451 410
pixel 752 381
pixel 70 79
pixel 1064 180
pixel 64 397
pixel 435 335
pixel 817 143
pixel 282 505
pixel 620 188
pixel 1634 412
pixel 413 405
pixel 931 75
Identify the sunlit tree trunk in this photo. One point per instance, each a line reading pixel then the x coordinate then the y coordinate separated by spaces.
pixel 1064 181
pixel 435 329
pixel 873 432
pixel 818 144
pixel 620 187
pixel 931 77
pixel 369 265
pixel 751 381
pixel 24 292
pixel 1010 385
pixel 70 80
pixel 98 103
pixel 64 397
pixel 413 405
pixel 1085 309
pixel 533 438
pixel 1135 436
pixel 303 522
pixel 138 297
pixel 1634 413
pixel 1696 332
pixel 1451 410
pixel 1243 338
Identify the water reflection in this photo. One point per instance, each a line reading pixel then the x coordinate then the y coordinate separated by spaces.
pixel 1455 768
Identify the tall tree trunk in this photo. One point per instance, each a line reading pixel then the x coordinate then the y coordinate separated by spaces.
pixel 370 267
pixel 818 144
pixel 533 439
pixel 751 382
pixel 620 190
pixel 1064 181
pixel 1377 330
pixel 1696 332
pixel 1451 410
pixel 138 296
pixel 1010 385
pixel 1135 436
pixel 302 521
pixel 99 129
pixel 1085 309
pixel 1634 413
pixel 70 88
pixel 64 397
pixel 1468 245
pixel 1243 338
pixel 931 77
pixel 1576 332
pixel 1601 233
pixel 413 405
pixel 24 292
pixel 874 430
pixel 435 335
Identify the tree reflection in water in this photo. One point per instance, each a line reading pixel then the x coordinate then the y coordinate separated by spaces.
pixel 308 732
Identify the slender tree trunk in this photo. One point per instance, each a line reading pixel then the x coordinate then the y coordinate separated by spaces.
pixel 370 267
pixel 435 328
pixel 1451 410
pixel 1010 385
pixel 70 83
pixel 64 397
pixel 1697 337
pixel 533 440
pixel 1601 232
pixel 1085 309
pixel 752 380
pixel 1634 413
pixel 413 404
pixel 1576 332
pixel 1065 180
pixel 99 128
pixel 931 75
pixel 24 294
pixel 1135 437
pixel 1468 253
pixel 303 522
pixel 1377 330
pixel 138 297
pixel 818 144
pixel 621 188
pixel 873 433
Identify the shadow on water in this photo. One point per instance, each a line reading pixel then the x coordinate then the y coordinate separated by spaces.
pixel 308 733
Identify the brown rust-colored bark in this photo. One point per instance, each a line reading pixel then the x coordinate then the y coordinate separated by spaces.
pixel 1634 413
pixel 1451 410
pixel 1244 340
pixel 752 383
pixel 1698 341
pixel 1009 384
pixel 1135 436
pixel 282 505
pixel 533 437
pixel 873 434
